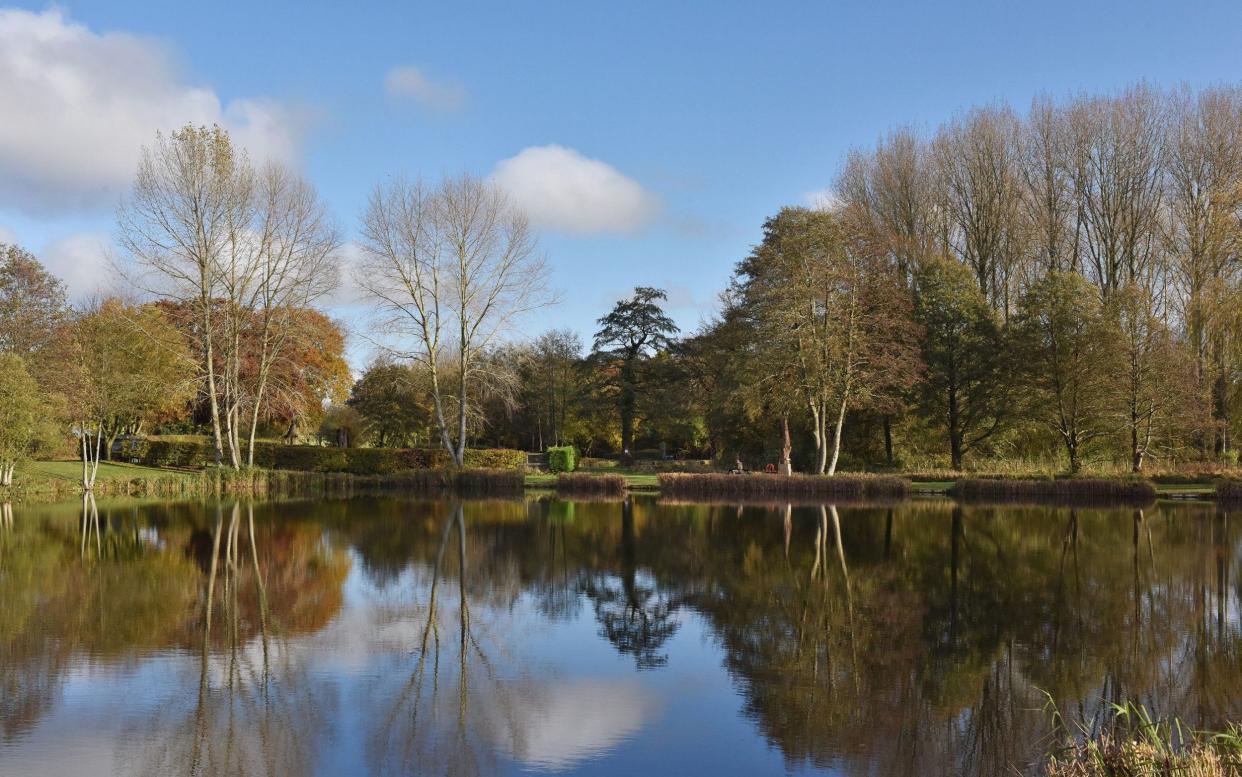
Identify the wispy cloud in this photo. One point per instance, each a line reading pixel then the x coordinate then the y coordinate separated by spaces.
pixel 408 81
pixel 822 199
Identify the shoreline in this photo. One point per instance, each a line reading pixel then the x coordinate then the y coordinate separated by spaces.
pixel 127 480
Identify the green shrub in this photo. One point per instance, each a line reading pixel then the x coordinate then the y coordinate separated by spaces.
pixel 495 458
pixel 196 454
pixel 192 454
pixel 310 458
pixel 373 461
pixel 422 458
pixel 563 458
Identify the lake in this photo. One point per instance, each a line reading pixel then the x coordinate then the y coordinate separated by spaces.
pixel 391 636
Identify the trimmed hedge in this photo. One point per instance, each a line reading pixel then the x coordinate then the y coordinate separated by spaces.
pixel 562 458
pixel 194 454
pixel 495 458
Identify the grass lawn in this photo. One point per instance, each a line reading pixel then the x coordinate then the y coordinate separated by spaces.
pixel 33 473
pixel 645 481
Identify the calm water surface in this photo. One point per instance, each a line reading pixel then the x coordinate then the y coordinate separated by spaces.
pixel 401 637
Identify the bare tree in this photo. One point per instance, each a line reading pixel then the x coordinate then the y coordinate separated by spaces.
pixel 1121 142
pixel 449 271
pixel 891 195
pixel 1203 200
pixel 243 250
pixel 1048 207
pixel 296 267
pixel 181 227
pixel 978 174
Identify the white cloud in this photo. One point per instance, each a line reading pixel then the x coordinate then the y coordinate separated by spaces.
pixel 563 190
pixel 410 81
pixel 7 236
pixel 80 106
pixel 564 723
pixel 82 261
pixel 822 199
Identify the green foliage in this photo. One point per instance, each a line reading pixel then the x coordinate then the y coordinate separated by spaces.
pixel 195 454
pixel 182 453
pixel 1069 359
pixel 633 331
pixel 965 384
pixel 392 405
pixel 342 425
pixel 23 413
pixel 495 458
pixel 563 458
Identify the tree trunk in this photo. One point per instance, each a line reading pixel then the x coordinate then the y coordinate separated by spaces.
pixel 888 440
pixel 955 432
pixel 628 401
pixel 786 448
pixel 836 439
pixel 821 437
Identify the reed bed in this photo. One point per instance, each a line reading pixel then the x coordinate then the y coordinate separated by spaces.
pixel 488 482
pixel 1072 491
pixel 1229 492
pixel 779 503
pixel 781 488
pixel 581 484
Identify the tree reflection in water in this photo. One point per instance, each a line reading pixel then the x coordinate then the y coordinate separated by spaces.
pixel 256 710
pixel 424 723
pixel 895 640
pixel 635 615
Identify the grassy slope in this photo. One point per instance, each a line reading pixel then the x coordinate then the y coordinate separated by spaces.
pixel 43 476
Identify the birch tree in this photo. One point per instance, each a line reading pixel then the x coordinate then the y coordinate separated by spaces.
pixel 835 316
pixel 296 266
pixel 182 228
pixel 449 271
pixel 244 250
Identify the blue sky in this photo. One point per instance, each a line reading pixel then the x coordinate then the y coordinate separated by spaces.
pixel 703 117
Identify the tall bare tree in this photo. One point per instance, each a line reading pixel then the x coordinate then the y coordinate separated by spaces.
pixel 182 227
pixel 449 271
pixel 1121 142
pixel 296 267
pixel 1203 200
pixel 245 250
pixel 980 188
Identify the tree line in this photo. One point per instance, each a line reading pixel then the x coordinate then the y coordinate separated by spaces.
pixel 1060 285
pixel 1057 285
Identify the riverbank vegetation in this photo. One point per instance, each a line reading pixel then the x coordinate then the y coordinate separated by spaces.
pixel 1077 490
pixel 684 485
pixel 1034 292
pixel 581 484
pixel 1134 742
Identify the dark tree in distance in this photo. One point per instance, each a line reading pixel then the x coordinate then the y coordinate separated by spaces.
pixel 635 329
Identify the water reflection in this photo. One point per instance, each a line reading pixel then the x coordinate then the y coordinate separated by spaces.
pixel 397 637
